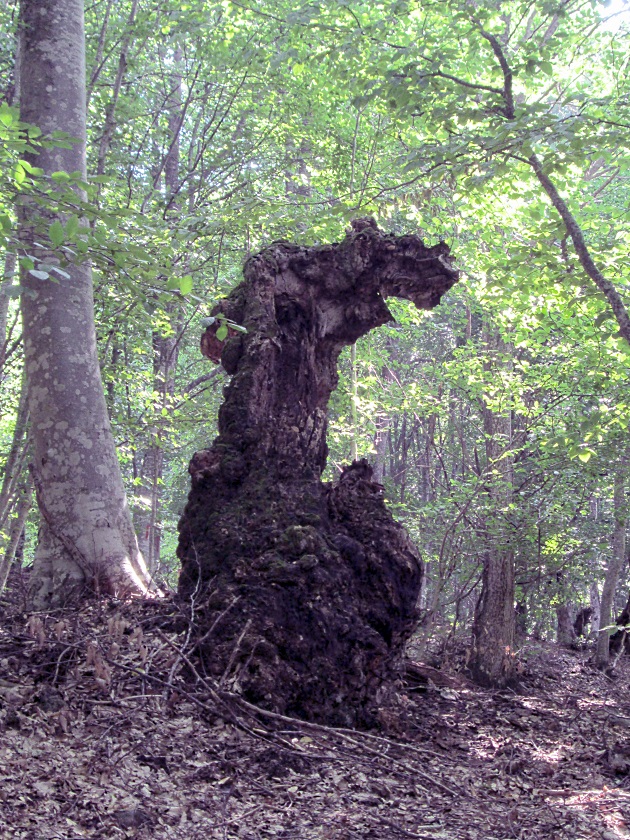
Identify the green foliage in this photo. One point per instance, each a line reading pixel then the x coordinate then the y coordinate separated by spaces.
pixel 292 119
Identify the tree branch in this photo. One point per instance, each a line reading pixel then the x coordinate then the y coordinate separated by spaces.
pixel 581 249
pixel 506 93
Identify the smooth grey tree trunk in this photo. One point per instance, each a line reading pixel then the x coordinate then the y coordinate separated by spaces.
pixel 87 542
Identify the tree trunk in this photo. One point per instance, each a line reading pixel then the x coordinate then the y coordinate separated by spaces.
pixel 305 592
pixel 602 656
pixel 492 653
pixel 15 462
pixel 582 621
pixel 86 537
pixel 594 603
pixel 620 638
pixel 565 634
pixel 7 278
pixel 149 517
pixel 520 622
pixel 165 357
pixel 16 531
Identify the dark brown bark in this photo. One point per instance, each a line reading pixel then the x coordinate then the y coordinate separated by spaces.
pixel 582 621
pixel 305 592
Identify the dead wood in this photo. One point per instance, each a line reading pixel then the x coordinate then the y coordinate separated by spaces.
pixel 323 580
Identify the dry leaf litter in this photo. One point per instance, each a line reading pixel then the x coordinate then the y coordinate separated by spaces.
pixel 108 730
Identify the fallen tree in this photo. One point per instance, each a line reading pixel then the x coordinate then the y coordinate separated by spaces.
pixel 304 593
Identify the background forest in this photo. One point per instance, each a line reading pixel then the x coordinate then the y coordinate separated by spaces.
pixel 498 423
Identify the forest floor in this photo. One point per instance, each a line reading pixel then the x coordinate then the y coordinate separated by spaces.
pixel 102 737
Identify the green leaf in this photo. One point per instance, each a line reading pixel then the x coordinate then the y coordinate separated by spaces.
pixel 186 284
pixel 40 275
pixel 56 234
pixel 603 316
pixel 72 226
pixel 7 114
pixel 222 332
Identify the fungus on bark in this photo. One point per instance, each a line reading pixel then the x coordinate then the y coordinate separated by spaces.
pixel 304 592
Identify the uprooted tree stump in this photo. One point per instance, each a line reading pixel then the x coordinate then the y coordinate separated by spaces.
pixel 304 592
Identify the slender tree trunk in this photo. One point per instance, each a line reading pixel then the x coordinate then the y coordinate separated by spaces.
pixel 382 424
pixel 594 603
pixel 16 457
pixel 574 230
pixel 16 531
pixel 165 357
pixel 354 396
pixel 100 51
pixel 9 270
pixel 149 517
pixel 602 656
pixel 492 654
pixel 520 622
pixel 110 111
pixel 86 537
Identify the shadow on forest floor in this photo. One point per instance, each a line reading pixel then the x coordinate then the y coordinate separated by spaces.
pixel 106 732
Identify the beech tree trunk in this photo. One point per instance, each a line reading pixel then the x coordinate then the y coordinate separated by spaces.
pixel 86 540
pixel 304 592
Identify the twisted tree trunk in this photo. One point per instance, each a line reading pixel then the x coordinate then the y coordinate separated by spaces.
pixel 305 592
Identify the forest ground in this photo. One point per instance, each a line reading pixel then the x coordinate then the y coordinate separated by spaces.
pixel 107 730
